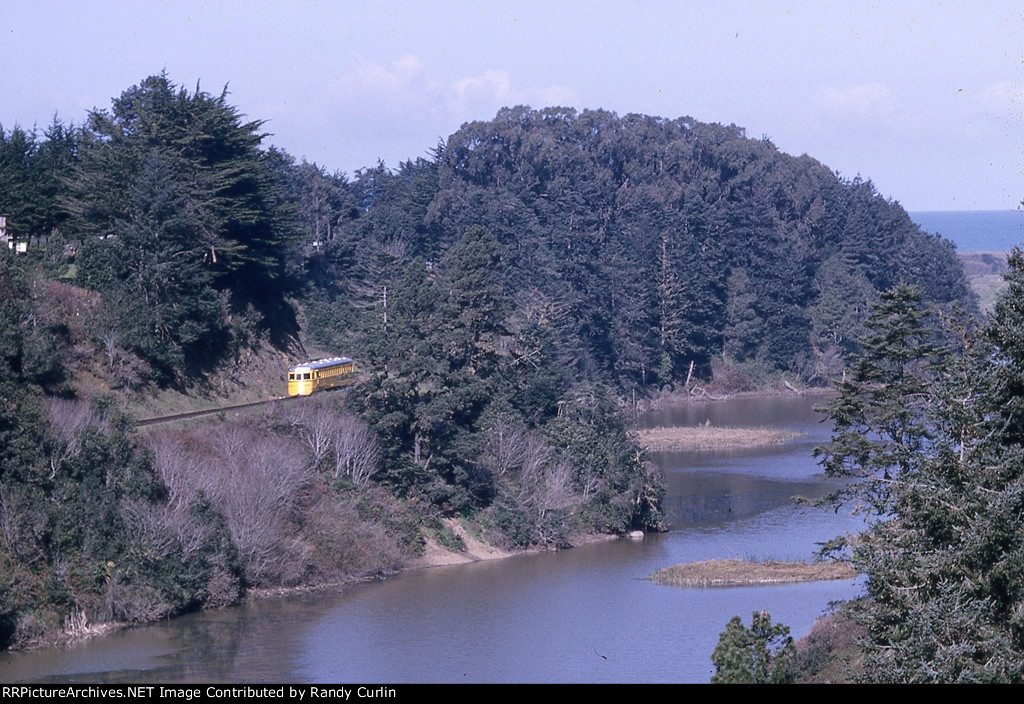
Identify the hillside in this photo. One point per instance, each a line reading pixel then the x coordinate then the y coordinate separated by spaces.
pixel 985 272
pixel 501 300
pixel 640 245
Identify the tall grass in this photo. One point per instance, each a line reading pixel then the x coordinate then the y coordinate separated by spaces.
pixel 735 573
pixel 707 437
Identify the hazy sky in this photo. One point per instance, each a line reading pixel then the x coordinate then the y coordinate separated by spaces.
pixel 924 98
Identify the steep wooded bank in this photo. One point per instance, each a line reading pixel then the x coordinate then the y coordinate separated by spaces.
pixel 499 298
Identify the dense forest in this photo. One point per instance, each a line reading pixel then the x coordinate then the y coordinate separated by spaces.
pixel 641 245
pixel 928 428
pixel 929 441
pixel 501 298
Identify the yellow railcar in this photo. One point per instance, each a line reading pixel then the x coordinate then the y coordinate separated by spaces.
pixel 304 379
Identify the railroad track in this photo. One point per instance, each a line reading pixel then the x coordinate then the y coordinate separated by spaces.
pixel 211 411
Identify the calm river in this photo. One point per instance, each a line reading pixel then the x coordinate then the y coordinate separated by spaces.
pixel 581 615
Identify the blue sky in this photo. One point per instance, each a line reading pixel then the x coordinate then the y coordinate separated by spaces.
pixel 924 98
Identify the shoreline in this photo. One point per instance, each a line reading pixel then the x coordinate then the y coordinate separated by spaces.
pixel 78 629
pixel 683 398
pixel 476 550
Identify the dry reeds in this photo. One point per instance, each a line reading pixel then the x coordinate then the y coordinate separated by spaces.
pixel 737 573
pixel 706 437
pixel 78 628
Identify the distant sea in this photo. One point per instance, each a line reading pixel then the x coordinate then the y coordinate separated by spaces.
pixel 975 230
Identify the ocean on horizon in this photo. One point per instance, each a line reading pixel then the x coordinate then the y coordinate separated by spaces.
pixel 975 230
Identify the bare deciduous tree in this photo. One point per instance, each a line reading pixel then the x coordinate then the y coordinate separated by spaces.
pixel 553 493
pixel 68 421
pixel 505 446
pixel 254 479
pixel 315 424
pixel 111 340
pixel 177 466
pixel 533 481
pixel 149 526
pixel 356 452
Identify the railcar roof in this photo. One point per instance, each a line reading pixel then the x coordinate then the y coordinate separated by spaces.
pixel 321 363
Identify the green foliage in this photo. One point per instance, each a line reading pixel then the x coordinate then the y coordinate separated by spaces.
pixel 451 358
pixel 1006 333
pixel 17 182
pixel 879 431
pixel 536 267
pixel 761 654
pixel 943 461
pixel 667 242
pixel 446 537
pixel 550 251
pixel 621 490
pixel 159 301
pixel 843 304
pixel 180 213
pixel 31 173
pixel 82 520
pixel 744 327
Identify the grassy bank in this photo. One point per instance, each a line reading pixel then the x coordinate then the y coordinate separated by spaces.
pixel 706 437
pixel 737 573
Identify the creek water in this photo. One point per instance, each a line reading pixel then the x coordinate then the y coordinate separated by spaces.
pixel 583 615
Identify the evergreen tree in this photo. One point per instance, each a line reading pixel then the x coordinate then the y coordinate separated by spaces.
pixel 1006 333
pixel 158 284
pixel 173 197
pixel 843 304
pixel 744 328
pixel 18 182
pixel 878 425
pixel 761 654
pixel 945 465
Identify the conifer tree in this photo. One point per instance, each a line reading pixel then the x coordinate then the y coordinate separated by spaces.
pixel 879 427
pixel 761 654
pixel 945 471
pixel 171 188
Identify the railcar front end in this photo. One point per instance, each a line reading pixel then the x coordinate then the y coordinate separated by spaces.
pixel 304 379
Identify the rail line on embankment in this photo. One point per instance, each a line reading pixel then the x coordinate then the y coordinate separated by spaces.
pixel 211 411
